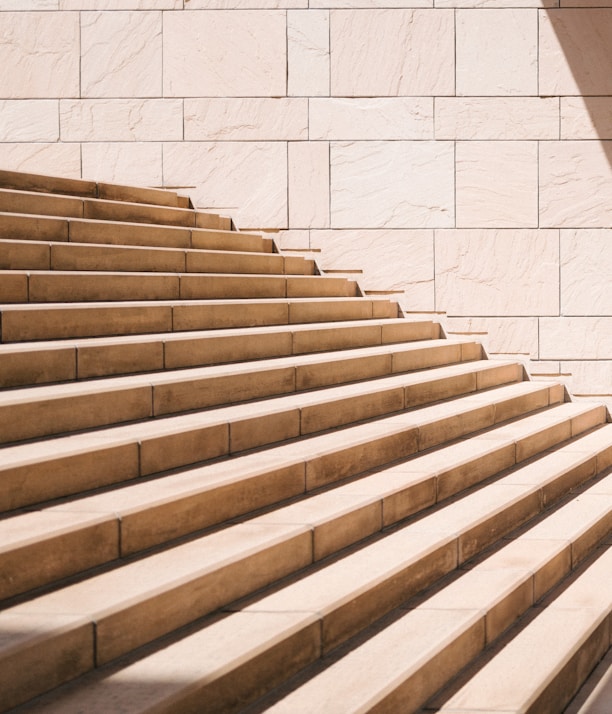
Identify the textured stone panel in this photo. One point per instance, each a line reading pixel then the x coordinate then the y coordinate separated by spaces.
pixel 293 240
pixel 24 5
pixel 575 53
pixel 121 4
pixel 247 180
pixel 500 335
pixel 29 120
pixel 497 184
pixel 497 52
pixel 497 118
pixel 44 46
pixel 246 119
pixel 121 54
pixel 38 158
pixel 575 184
pixel 392 52
pixel 217 53
pixel 369 4
pixel 395 184
pixel 362 119
pixel 590 377
pixel 134 163
pixel 244 4
pixel 497 272
pixel 121 119
pixel 308 184
pixel 500 4
pixel 308 53
pixel 586 117
pixel 390 260
pixel 580 338
pixel 586 272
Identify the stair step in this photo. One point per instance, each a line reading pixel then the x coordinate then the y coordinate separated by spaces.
pixel 193 579
pixel 78 187
pixel 62 360
pixel 33 255
pixel 21 323
pixel 543 666
pixel 399 668
pixel 139 516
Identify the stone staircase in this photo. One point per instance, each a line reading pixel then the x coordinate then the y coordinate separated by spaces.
pixel 229 483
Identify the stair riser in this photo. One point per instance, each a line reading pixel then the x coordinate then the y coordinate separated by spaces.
pixel 25 255
pixel 66 322
pixel 44 417
pixel 96 287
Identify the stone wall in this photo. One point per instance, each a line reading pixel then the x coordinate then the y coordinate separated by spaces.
pixel 458 150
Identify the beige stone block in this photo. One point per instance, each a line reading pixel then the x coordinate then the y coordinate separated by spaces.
pixel 586 267
pixel 121 54
pixel 121 4
pixel 574 55
pixel 497 118
pixel 589 377
pixel 497 52
pixel 392 184
pixel 308 179
pixel 246 119
pixel 575 184
pixel 351 119
pixel 224 53
pixel 45 48
pixel 23 5
pixel 244 4
pixel 138 163
pixel 586 118
pixel 502 4
pixel 575 338
pixel 53 159
pixel 308 53
pixel 511 335
pixel 390 260
pixel 497 184
pixel 121 120
pixel 29 120
pixel 497 272
pixel 245 179
pixel 416 58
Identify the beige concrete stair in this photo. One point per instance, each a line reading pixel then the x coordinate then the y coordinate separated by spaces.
pixel 219 470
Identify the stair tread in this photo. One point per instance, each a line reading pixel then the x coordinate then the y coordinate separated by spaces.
pixel 324 592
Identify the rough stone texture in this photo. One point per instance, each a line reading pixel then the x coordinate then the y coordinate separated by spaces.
pixel 363 119
pixel 586 271
pixel 575 52
pixel 134 163
pixel 575 184
pixel 392 184
pixel 45 48
pixel 496 272
pixel 593 378
pixel 497 52
pixel 395 66
pixel 309 184
pixel 247 180
pixel 121 119
pixel 121 4
pixel 497 118
pixel 308 53
pixel 390 260
pixel 501 335
pixel 121 54
pixel 582 338
pixel 221 53
pixel 246 119
pixel 54 159
pixel 586 118
pixel 497 184
pixel 244 4
pixel 16 5
pixel 29 120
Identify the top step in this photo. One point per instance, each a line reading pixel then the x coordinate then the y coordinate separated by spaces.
pixel 91 189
